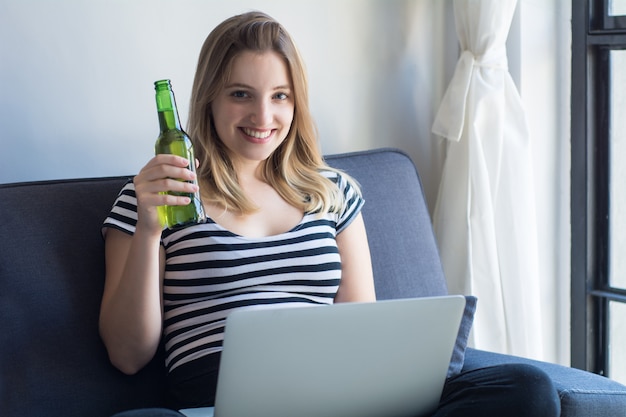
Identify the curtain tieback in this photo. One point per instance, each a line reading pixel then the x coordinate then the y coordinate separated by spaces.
pixel 451 114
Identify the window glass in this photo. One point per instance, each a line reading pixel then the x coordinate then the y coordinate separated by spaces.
pixel 617 216
pixel 617 341
pixel 617 7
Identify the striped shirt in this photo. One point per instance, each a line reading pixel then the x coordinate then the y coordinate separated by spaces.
pixel 211 271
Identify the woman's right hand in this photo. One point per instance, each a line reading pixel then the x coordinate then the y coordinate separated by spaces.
pixel 162 173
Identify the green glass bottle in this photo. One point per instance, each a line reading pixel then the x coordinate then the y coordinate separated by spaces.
pixel 173 140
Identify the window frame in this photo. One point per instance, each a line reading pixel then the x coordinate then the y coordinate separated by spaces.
pixel 600 18
pixel 594 35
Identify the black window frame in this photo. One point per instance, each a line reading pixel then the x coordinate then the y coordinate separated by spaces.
pixel 594 35
pixel 600 20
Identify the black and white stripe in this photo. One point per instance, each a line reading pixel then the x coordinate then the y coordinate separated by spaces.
pixel 210 271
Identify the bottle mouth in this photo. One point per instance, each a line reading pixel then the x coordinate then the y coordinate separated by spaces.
pixel 162 84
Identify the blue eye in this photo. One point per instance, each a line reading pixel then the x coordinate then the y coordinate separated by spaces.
pixel 239 94
pixel 281 96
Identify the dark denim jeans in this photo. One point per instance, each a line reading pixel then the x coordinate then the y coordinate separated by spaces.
pixel 511 390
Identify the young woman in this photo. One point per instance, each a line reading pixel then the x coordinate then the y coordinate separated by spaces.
pixel 282 229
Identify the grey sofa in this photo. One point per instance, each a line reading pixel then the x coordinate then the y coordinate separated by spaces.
pixel 52 362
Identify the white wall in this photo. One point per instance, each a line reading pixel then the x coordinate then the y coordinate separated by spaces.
pixel 77 76
pixel 77 94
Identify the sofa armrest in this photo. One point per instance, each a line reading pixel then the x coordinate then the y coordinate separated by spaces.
pixel 582 393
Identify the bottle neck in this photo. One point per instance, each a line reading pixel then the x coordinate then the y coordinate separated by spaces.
pixel 166 108
pixel 168 120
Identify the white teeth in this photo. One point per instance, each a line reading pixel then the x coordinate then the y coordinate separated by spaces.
pixel 257 134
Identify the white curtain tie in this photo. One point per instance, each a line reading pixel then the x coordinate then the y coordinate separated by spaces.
pixel 451 114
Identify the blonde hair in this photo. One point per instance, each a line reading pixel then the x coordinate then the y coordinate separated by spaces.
pixel 294 167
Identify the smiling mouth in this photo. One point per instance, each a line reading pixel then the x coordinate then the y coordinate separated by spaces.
pixel 257 134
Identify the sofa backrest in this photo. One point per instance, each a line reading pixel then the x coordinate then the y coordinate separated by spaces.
pixel 404 252
pixel 52 361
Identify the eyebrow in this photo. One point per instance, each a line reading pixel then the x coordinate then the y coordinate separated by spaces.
pixel 249 87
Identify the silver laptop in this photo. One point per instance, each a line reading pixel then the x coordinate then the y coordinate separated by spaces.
pixel 388 358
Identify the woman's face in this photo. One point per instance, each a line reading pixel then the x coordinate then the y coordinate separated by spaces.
pixel 254 110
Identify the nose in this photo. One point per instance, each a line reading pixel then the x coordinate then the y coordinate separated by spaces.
pixel 262 113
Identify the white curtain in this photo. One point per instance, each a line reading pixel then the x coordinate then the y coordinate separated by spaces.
pixel 484 216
